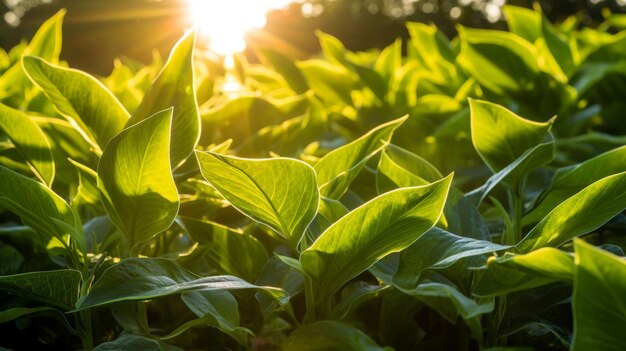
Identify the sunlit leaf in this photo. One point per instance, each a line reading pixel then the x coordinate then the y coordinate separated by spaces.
pixel 138 279
pixel 570 180
pixel 598 301
pixel 80 98
pixel 580 214
pixel 512 272
pixel 30 141
pixel 174 87
pixel 500 136
pixel 337 169
pixel 437 249
pixel 135 179
pixel 280 193
pixel 38 206
pixel 386 224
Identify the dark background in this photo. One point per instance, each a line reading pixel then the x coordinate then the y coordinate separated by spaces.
pixel 97 31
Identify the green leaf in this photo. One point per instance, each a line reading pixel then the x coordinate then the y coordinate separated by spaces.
pixel 523 22
pixel 516 171
pixel 137 279
pixel 330 335
pixel 58 288
pixel 46 43
pixel 570 180
pixel 442 297
pixel 598 302
pixel 500 61
pixel 513 272
pixel 580 214
pixel 135 180
pixel 87 191
pixel 81 99
pixel 280 193
pixel 174 87
pixel 135 342
pixel 337 169
pixel 38 207
pixel 500 136
pixel 386 224
pixel 437 249
pixel 30 141
pixel 401 168
pixel 216 308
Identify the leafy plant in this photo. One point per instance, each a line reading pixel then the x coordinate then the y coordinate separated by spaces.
pixel 309 210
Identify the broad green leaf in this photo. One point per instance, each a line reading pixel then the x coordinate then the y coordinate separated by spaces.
pixel 523 22
pixel 598 302
pixel 500 136
pixel 513 173
pixel 437 249
pixel 38 207
pixel 58 288
pixel 512 272
pixel 331 83
pixel 442 297
pixel 280 193
pixel 337 169
pixel 174 87
pixel 355 295
pixel 80 98
pixel 580 214
pixel 135 342
pixel 216 308
pixel 389 61
pixel 46 43
pixel 30 141
pixel 500 61
pixel 330 335
pixel 401 168
pixel 433 52
pixel 386 224
pixel 135 180
pixel 138 279
pixel 570 180
pixel 559 46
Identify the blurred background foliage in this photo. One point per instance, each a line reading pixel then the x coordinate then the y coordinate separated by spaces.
pixel 97 31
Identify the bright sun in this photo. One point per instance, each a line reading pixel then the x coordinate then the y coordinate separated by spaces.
pixel 225 22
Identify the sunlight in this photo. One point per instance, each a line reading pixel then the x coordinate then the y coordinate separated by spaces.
pixel 225 23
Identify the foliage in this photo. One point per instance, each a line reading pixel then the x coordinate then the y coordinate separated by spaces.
pixel 353 201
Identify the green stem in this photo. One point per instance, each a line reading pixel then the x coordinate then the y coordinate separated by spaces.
pixel 309 296
pixel 87 333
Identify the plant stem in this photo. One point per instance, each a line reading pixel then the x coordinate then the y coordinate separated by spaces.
pixel 309 296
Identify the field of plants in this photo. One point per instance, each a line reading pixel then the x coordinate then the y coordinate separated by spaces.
pixel 466 195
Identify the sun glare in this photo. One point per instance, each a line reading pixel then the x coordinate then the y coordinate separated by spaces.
pixel 226 23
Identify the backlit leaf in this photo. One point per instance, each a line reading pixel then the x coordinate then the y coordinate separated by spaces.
pixel 138 279
pixel 280 193
pixel 80 98
pixel 174 87
pixel 386 224
pixel 135 179
pixel 580 214
pixel 598 302
pixel 337 169
pixel 30 141
pixel 58 288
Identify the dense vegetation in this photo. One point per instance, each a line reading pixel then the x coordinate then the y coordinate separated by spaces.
pixel 468 195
